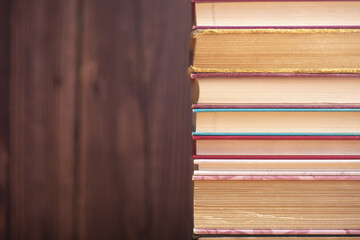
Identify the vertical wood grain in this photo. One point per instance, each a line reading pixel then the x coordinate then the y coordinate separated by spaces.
pixel 99 115
pixel 42 95
pixel 135 120
pixel 4 116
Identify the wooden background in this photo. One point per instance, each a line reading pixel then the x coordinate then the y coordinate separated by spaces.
pixel 95 136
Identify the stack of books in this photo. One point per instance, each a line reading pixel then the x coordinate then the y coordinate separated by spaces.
pixel 276 105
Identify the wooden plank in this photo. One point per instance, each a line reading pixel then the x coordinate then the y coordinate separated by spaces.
pixel 4 115
pixel 135 121
pixel 42 104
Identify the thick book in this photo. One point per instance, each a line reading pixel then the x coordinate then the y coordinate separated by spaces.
pixel 275 88
pixel 272 14
pixel 276 205
pixel 276 50
pixel 277 121
pixel 221 147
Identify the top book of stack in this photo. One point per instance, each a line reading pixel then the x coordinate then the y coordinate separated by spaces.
pixel 276 14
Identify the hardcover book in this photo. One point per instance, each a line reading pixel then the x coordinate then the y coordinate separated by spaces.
pixel 285 146
pixel 275 88
pixel 284 204
pixel 276 50
pixel 220 13
pixel 246 166
pixel 269 120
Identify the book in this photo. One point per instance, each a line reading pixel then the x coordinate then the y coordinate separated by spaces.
pixel 275 88
pixel 238 204
pixel 254 14
pixel 302 236
pixel 276 50
pixel 286 146
pixel 276 166
pixel 277 121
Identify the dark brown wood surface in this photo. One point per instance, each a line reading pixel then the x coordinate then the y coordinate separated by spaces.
pixel 95 120
pixel 4 115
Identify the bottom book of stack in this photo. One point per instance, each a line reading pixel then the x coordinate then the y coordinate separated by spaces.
pixel 285 204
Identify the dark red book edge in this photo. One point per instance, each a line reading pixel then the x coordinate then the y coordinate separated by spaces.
pixel 193 14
